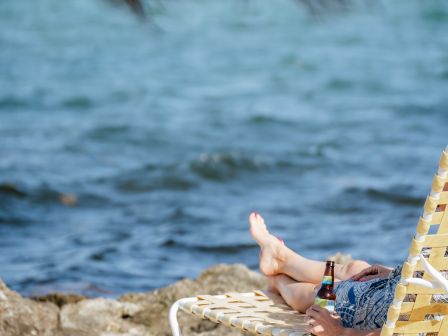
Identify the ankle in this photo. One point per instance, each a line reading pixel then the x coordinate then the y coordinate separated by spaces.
pixel 282 258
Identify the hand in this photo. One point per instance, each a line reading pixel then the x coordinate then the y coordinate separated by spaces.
pixel 372 272
pixel 322 323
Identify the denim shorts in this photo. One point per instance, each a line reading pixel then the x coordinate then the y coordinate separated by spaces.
pixel 364 305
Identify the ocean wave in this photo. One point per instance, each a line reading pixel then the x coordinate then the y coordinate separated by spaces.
pixel 122 135
pixel 11 102
pixel 11 190
pixel 270 120
pixel 102 254
pixel 224 166
pixel 12 218
pixel 45 194
pixel 105 132
pixel 330 245
pixel 218 167
pixel 220 248
pixel 398 194
pixel 183 175
pixel 339 84
pixel 142 181
pixel 395 196
pixel 78 102
pixel 415 110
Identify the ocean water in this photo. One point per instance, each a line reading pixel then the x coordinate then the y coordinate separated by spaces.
pixel 132 152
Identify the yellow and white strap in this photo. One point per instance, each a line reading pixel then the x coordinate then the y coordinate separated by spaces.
pixel 439 280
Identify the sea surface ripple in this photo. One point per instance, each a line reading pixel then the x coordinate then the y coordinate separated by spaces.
pixel 131 152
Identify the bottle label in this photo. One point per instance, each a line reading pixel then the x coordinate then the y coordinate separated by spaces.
pixel 327 280
pixel 324 303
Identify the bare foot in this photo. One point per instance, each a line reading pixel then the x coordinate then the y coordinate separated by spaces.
pixel 272 255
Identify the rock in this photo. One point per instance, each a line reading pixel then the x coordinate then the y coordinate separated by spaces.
pixel 68 199
pixel 101 317
pixel 215 280
pixel 146 314
pixel 133 314
pixel 25 317
pixel 59 299
pixel 340 258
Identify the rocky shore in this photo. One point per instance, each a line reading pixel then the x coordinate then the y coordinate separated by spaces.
pixel 133 314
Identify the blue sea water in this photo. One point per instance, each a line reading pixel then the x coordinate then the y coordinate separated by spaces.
pixel 132 152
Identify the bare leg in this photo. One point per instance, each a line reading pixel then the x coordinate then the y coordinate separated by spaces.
pixel 276 258
pixel 299 295
pixel 307 270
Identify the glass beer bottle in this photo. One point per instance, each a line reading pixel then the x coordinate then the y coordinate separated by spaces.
pixel 326 297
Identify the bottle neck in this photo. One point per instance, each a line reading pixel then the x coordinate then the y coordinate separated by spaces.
pixel 328 279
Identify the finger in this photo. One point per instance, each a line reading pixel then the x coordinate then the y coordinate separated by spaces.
pixel 316 330
pixel 311 322
pixel 309 330
pixel 311 314
pixel 362 273
pixel 358 276
pixel 308 311
pixel 311 311
pixel 315 312
pixel 315 315
pixel 322 316
pixel 318 309
pixel 370 277
pixel 368 271
pixel 335 316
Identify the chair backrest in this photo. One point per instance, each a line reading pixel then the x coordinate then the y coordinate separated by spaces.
pixel 418 310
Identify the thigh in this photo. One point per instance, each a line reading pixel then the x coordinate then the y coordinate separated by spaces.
pixel 299 295
pixel 346 271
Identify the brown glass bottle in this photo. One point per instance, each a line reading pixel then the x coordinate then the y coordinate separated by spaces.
pixel 326 297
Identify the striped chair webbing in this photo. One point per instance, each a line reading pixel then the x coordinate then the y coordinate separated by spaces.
pixel 256 312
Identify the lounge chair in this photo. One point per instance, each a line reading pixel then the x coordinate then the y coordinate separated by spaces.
pixel 419 306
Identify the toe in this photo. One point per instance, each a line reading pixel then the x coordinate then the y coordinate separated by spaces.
pixel 260 221
pixel 253 218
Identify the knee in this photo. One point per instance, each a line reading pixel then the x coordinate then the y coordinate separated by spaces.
pixel 304 299
pixel 355 266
